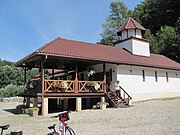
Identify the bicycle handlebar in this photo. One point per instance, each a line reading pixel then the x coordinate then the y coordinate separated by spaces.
pixel 56 116
pixel 63 116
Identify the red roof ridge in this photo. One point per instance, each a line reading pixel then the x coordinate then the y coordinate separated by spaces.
pixel 126 25
pixel 102 45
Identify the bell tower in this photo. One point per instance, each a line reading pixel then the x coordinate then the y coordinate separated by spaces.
pixel 130 34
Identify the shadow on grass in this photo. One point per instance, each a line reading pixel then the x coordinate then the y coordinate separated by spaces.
pixel 13 111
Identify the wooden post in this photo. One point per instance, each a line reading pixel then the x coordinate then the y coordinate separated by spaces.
pixel 104 71
pixel 76 80
pixel 44 100
pixel 53 73
pixel 42 88
pixel 24 75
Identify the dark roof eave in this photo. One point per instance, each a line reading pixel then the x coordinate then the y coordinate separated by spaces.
pixel 114 62
pixel 25 59
pixel 150 66
pixel 97 60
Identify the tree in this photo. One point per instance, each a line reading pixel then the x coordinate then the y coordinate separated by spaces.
pixel 14 75
pixel 5 62
pixel 172 48
pixel 153 14
pixel 153 41
pixel 118 14
pixel 161 18
pixel 177 26
pixel 163 34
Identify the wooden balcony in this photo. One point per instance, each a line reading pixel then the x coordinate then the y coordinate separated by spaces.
pixel 69 86
pixel 65 88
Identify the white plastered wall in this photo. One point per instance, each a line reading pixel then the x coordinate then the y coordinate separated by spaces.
pixel 136 47
pixel 127 45
pixel 99 68
pixel 138 34
pixel 140 48
pixel 124 35
pixel 131 80
pixel 131 33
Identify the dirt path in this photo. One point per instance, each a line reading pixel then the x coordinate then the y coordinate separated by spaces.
pixel 154 117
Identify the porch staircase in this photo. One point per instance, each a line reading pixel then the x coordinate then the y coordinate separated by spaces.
pixel 122 101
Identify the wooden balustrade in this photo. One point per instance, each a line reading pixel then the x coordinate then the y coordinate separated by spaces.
pixel 90 86
pixel 59 86
pixel 68 86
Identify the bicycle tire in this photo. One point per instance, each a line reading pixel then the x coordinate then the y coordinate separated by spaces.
pixel 70 131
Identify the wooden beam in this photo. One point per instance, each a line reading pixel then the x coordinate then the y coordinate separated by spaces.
pixel 76 80
pixel 72 95
pixel 42 87
pixel 53 73
pixel 24 75
pixel 104 71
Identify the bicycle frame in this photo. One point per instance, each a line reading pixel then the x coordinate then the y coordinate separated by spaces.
pixel 63 128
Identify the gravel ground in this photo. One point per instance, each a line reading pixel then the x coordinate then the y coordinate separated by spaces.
pixel 153 117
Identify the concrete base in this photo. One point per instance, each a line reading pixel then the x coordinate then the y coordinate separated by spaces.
pixel 78 104
pixel 103 99
pixel 45 106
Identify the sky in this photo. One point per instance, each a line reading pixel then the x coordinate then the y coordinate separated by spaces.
pixel 26 25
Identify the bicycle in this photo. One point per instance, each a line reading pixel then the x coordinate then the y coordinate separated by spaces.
pixel 63 127
pixel 5 127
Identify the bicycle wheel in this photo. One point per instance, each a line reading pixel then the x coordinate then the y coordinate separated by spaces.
pixel 70 131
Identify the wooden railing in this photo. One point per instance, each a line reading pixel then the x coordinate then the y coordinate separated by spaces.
pixel 59 86
pixel 123 94
pixel 90 86
pixel 69 86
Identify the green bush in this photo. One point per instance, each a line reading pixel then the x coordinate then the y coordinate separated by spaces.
pixel 11 90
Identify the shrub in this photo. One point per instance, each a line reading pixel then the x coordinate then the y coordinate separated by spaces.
pixel 11 90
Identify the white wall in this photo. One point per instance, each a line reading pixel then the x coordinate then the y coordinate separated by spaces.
pixel 99 68
pixel 140 48
pixel 126 44
pixel 124 35
pixel 131 33
pixel 138 34
pixel 136 47
pixel 131 80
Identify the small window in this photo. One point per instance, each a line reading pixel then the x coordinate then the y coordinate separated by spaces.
pixel 156 77
pixel 143 74
pixel 167 77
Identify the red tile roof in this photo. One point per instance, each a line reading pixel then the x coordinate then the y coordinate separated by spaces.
pixel 102 53
pixel 131 24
